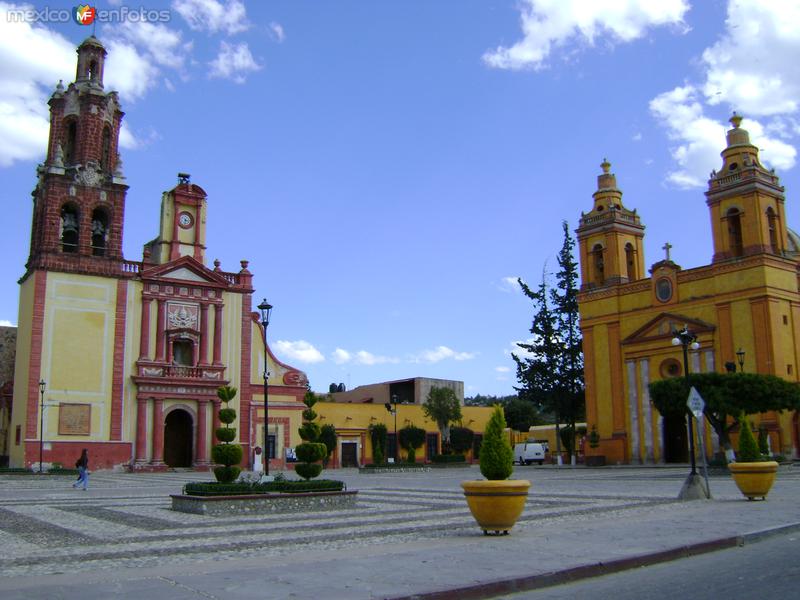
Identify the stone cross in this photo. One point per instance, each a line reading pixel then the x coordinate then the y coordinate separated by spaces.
pixel 667 247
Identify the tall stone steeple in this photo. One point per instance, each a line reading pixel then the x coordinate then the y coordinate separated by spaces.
pixel 610 237
pixel 746 202
pixel 79 200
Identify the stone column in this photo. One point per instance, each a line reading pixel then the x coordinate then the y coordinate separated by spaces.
pixel 141 431
pixel 633 411
pixel 161 328
pixel 203 335
pixel 215 404
pixel 144 340
pixel 158 432
pixel 218 334
pixel 647 413
pixel 201 452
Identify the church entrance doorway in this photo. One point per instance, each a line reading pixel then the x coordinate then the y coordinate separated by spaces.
pixel 178 439
pixel 676 439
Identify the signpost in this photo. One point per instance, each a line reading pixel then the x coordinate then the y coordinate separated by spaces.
pixel 696 405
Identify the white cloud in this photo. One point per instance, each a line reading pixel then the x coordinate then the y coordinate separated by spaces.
pixel 212 15
pixel 521 353
pixel 233 62
pixel 6 323
pixel 503 369
pixel 637 137
pixel 300 350
pixel 509 285
pixel 550 24
pixel 341 356
pixel 441 353
pixel 128 71
pixel 753 67
pixel 699 138
pixel 362 357
pixel 26 81
pixel 753 70
pixel 276 32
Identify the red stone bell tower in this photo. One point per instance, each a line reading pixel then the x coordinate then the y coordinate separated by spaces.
pixel 79 200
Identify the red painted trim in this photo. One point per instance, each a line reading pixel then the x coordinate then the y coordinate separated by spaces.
pixel 102 455
pixel 118 382
pixel 218 334
pixel 203 334
pixel 144 337
pixel 158 432
pixel 141 430
pixel 246 398
pixel 201 451
pixel 35 359
pixel 161 327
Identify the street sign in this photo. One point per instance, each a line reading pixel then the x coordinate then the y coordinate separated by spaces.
pixel 695 403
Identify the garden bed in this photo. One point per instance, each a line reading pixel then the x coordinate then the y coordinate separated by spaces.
pixel 263 503
pixel 398 468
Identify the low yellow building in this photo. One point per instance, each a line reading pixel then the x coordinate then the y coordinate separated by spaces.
pixel 747 299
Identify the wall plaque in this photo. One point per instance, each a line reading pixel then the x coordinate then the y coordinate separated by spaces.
pixel 74 419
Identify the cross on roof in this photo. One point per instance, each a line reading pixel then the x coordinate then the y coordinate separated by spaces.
pixel 666 247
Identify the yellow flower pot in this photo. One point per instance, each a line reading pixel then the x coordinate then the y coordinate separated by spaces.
pixel 754 479
pixel 496 505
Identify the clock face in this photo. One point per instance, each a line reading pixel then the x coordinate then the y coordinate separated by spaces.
pixel 185 220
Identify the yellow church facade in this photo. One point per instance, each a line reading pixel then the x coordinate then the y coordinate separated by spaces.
pixel 745 301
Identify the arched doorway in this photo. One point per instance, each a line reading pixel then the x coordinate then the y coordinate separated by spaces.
pixel 676 439
pixel 178 439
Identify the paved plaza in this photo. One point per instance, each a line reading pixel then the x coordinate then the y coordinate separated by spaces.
pixel 411 535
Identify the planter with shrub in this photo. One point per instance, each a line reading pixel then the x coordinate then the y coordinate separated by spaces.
pixel 753 473
pixel 497 502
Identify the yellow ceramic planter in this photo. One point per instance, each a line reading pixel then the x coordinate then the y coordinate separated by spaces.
pixel 754 479
pixel 496 505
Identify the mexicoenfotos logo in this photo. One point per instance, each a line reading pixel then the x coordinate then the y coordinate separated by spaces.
pixel 84 14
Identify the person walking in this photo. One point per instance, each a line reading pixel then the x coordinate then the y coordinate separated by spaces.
pixel 83 470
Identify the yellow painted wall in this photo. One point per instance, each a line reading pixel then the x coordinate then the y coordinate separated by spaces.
pixel 19 415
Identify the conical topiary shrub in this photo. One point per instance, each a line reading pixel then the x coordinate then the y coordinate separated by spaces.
pixel 311 451
pixel 748 447
pixel 226 454
pixel 497 457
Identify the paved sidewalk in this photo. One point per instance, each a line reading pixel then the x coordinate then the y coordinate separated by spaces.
pixel 410 537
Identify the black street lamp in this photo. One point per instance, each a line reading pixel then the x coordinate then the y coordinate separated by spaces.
pixel 266 310
pixel 42 386
pixel 687 340
pixel 740 358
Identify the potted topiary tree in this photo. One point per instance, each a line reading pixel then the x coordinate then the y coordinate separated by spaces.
pixel 311 451
pixel 226 454
pixel 752 474
pixel 496 502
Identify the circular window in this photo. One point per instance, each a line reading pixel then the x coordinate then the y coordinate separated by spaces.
pixel 664 289
pixel 670 368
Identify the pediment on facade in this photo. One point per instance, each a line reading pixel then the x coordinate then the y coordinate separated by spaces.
pixel 664 324
pixel 187 269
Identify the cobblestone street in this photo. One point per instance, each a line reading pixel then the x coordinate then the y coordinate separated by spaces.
pixel 124 525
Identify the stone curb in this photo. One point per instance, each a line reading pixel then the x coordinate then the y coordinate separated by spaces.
pixel 490 589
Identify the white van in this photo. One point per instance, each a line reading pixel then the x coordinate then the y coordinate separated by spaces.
pixel 529 452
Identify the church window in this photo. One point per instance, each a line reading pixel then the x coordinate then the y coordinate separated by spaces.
pixel 92 70
pixel 105 157
pixel 99 232
pixel 670 368
pixel 630 262
pixel 599 267
pixel 183 352
pixel 69 229
pixel 772 224
pixel 71 143
pixel 735 232
pixel 664 289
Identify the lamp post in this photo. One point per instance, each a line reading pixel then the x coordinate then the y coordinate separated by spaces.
pixel 693 488
pixel 42 387
pixel 266 310
pixel 740 358
pixel 396 441
pixel 687 339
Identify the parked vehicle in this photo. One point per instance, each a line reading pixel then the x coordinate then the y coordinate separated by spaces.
pixel 529 452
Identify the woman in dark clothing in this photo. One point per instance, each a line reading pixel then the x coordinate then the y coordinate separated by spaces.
pixel 83 470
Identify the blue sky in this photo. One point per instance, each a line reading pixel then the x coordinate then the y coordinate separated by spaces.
pixel 389 168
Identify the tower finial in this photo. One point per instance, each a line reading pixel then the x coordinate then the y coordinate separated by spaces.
pixel 735 120
pixel 605 165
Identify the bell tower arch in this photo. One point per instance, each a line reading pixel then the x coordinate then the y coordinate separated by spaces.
pixel 746 202
pixel 610 237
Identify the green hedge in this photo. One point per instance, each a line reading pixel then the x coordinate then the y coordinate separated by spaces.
pixel 398 466
pixel 285 487
pixel 448 458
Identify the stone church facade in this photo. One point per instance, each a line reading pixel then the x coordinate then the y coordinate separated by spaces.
pixel 130 353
